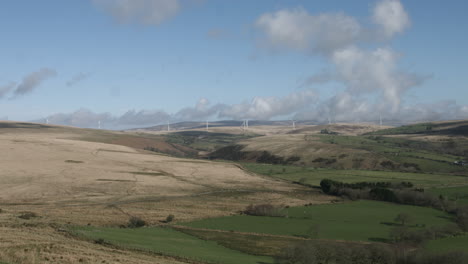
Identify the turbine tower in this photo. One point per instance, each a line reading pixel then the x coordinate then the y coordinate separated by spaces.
pixel 99 124
pixel 206 125
pixel 294 124
pixel 380 115
pixel 47 120
pixel 168 127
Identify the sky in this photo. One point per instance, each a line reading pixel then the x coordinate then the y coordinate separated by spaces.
pixel 137 63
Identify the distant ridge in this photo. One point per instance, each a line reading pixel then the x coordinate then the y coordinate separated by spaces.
pixel 222 123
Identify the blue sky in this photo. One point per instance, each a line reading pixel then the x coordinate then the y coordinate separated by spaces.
pixel 79 61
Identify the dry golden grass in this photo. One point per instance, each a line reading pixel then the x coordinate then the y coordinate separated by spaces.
pixel 53 173
pixel 310 148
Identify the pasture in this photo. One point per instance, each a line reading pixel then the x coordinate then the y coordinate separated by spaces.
pixel 168 242
pixel 313 176
pixel 356 221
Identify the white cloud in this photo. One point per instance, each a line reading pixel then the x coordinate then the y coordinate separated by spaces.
pixel 148 12
pixel 297 29
pixel 142 118
pixel 269 107
pixel 202 111
pixel 365 72
pixel 363 69
pixel 391 16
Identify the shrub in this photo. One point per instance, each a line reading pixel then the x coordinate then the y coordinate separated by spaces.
pixel 169 218
pixel 403 218
pixel 383 194
pixel 135 222
pixel 462 218
pixel 27 215
pixel 263 210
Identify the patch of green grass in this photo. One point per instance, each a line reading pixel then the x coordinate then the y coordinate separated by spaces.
pixel 459 194
pixel 459 243
pixel 249 243
pixel 360 221
pixel 169 242
pixel 429 156
pixel 313 176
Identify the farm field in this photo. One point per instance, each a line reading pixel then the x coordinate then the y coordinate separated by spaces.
pixel 356 221
pixel 458 194
pixel 449 244
pixel 313 176
pixel 169 242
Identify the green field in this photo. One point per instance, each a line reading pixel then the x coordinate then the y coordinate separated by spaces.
pixel 360 220
pixel 459 243
pixel 169 242
pixel 458 194
pixel 427 156
pixel 313 176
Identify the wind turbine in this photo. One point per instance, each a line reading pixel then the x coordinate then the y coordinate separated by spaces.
pixel 47 120
pixel 380 115
pixel 168 127
pixel 206 125
pixel 294 124
pixel 99 124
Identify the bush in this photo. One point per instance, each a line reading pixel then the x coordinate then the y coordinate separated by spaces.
pixel 135 222
pixel 383 194
pixel 169 218
pixel 27 215
pixel 462 218
pixel 403 218
pixel 263 210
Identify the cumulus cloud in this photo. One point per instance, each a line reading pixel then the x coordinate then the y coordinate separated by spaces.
pixel 203 110
pixel 269 107
pixel 80 118
pixel 33 80
pixel 143 117
pixel 148 12
pixel 363 69
pixel 297 29
pixel 89 119
pixel 5 89
pixel 391 16
pixel 77 78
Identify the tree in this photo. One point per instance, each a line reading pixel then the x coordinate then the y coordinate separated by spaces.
pixel 135 222
pixel 403 218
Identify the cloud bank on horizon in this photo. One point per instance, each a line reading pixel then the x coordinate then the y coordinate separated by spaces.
pixel 358 56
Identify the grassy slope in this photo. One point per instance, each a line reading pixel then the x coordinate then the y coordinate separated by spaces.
pixel 448 244
pixel 205 141
pixel 429 156
pixel 459 194
pixel 448 128
pixel 361 220
pixel 169 242
pixel 313 176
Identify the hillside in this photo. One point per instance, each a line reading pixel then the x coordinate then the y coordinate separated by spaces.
pixel 62 175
